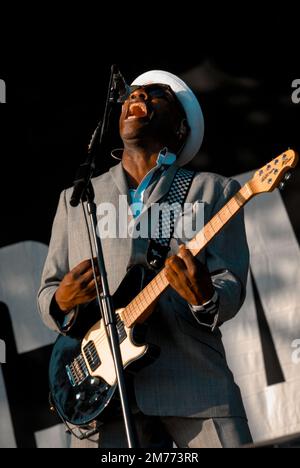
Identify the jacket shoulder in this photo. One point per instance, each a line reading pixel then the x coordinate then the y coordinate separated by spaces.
pixel 213 184
pixel 97 181
pixel 212 177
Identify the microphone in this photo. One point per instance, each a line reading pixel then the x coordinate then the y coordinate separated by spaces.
pixel 120 89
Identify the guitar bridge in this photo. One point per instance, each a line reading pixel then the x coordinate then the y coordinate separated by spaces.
pixel 77 371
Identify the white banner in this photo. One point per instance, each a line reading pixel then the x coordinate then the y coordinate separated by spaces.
pixel 273 410
pixel 25 419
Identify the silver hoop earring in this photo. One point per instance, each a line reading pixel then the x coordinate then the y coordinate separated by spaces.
pixel 117 150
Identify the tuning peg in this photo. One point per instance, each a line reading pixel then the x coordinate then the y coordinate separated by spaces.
pixel 281 185
pixel 287 176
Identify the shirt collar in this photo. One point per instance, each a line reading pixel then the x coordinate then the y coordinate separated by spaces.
pixel 165 157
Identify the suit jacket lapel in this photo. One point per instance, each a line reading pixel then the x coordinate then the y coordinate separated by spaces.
pixel 162 186
pixel 159 191
pixel 119 177
pixel 140 246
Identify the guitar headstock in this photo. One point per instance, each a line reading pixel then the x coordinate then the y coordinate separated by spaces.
pixel 274 173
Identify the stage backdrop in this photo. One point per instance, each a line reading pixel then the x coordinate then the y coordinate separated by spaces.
pixel 262 342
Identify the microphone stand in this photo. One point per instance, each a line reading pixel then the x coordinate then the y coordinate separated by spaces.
pixel 83 191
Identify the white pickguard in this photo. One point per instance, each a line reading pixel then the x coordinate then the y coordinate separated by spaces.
pixel 129 351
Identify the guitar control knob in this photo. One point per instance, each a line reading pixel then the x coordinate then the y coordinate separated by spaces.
pixel 104 388
pixel 95 381
pixel 80 396
pixel 94 399
pixel 281 185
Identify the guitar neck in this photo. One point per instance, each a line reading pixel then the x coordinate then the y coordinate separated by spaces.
pixel 142 305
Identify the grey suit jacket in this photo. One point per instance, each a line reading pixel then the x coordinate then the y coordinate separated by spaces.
pixel 191 376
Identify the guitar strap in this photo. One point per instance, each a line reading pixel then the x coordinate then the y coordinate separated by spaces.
pixel 159 245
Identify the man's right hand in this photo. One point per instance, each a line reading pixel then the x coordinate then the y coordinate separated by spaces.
pixel 77 287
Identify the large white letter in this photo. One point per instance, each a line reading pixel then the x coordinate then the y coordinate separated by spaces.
pixel 296 93
pixel 2 92
pixel 107 225
pixel 2 352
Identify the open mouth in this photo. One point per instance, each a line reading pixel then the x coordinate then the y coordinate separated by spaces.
pixel 137 110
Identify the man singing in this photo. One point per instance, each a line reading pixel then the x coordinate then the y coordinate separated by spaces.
pixel 188 395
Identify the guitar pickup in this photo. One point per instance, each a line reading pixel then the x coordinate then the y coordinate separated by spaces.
pixel 121 330
pixel 91 355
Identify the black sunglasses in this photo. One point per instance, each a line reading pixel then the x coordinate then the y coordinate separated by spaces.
pixel 158 90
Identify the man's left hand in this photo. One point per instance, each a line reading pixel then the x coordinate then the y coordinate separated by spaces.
pixel 189 277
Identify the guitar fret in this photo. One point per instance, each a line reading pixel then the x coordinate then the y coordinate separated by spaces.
pixel 234 204
pixel 138 299
pixel 164 280
pixel 140 306
pixel 147 294
pixel 219 218
pixel 223 216
pixel 152 287
pixel 127 312
pixel 209 232
pixel 158 280
pixel 211 226
pixel 138 311
pixel 229 205
pixel 215 222
pixel 156 284
pixel 228 209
